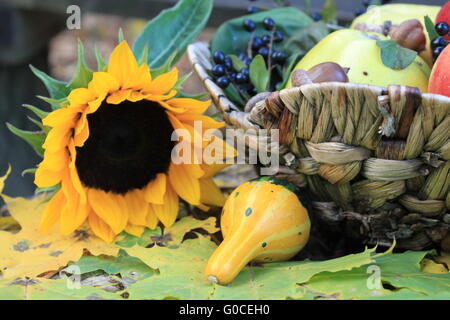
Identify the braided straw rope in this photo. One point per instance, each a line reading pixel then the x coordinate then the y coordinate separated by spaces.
pixel 378 156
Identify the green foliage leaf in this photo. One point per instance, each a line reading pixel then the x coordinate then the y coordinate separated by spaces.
pixel 172 31
pixel 34 138
pixel 124 265
pixel 82 74
pixel 57 89
pixel 269 281
pixel 180 271
pixel 259 75
pixel 395 56
pixel 232 94
pixel 45 289
pixel 329 11
pixel 400 274
pixel 232 38
pixel 170 236
pixel 238 64
pixel 429 25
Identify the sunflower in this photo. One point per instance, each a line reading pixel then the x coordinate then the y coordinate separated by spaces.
pixel 110 151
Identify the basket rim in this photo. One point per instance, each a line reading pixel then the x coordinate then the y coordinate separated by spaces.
pixel 199 57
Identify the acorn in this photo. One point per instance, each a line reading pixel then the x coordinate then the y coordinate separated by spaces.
pixel 409 34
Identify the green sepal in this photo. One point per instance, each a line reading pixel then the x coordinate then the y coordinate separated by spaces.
pixel 197 96
pixel 101 64
pixel 120 35
pixel 30 171
pixel 40 113
pixel 36 122
pixel 164 68
pixel 57 89
pixel 82 73
pixel 55 103
pixel 144 55
pixel 179 84
pixel 34 138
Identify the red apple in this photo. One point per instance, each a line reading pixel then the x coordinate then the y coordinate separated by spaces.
pixel 440 75
pixel 444 16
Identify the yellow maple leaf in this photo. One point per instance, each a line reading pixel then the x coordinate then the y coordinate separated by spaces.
pixel 31 253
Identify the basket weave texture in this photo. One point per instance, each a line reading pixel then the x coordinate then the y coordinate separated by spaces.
pixel 376 161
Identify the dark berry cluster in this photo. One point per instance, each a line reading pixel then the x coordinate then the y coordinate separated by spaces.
pixel 264 45
pixel 225 73
pixel 438 44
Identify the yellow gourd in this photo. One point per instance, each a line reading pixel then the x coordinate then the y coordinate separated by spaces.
pixel 262 221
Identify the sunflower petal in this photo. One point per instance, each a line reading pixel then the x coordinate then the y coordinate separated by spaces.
pixel 192 105
pixel 55 161
pixel 139 79
pixel 206 121
pixel 159 97
pixel 57 139
pixel 52 212
pixel 94 104
pixel 137 207
pixel 210 193
pixel 168 212
pixel 100 228
pixel 134 230
pixel 74 177
pixel 167 106
pixel 45 178
pixel 151 219
pixel 80 96
pixel 155 190
pixel 162 83
pixel 211 170
pixel 72 218
pixel 110 207
pixel 122 64
pixel 62 117
pixel 184 184
pixel 118 96
pixel 103 83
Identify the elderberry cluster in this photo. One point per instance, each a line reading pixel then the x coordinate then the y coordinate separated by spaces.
pixel 263 45
pixel 439 43
pixel 225 73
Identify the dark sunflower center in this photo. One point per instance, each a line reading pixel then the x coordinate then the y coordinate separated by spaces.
pixel 128 145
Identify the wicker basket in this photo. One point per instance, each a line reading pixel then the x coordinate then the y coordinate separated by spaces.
pixel 376 161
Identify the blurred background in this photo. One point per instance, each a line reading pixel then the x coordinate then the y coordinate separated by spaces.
pixel 35 32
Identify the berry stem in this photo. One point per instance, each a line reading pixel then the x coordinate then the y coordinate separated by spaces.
pixel 249 46
pixel 269 59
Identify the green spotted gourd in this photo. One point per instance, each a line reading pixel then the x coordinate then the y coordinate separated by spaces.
pixel 262 221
